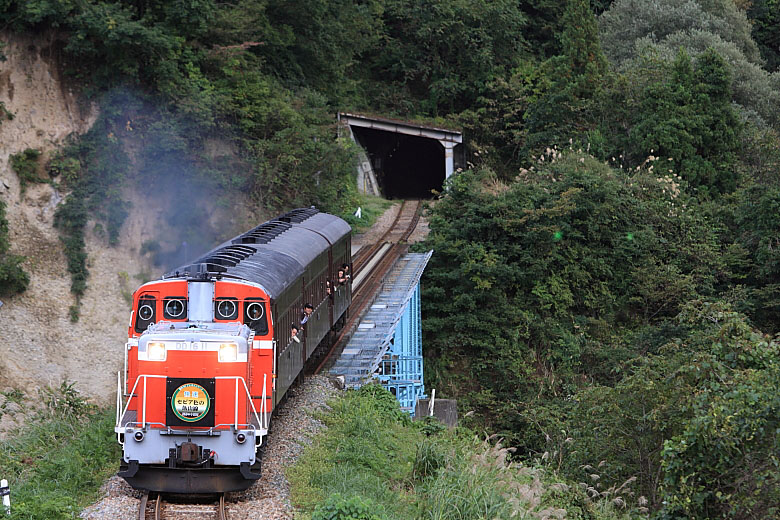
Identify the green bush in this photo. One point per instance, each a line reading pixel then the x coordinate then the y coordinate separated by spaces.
pixel 94 167
pixel 58 460
pixel 25 164
pixel 13 278
pixel 337 507
pixel 67 167
pixel 429 459
pixel 391 469
pixel 366 453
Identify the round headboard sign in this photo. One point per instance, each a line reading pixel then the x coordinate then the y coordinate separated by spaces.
pixel 190 402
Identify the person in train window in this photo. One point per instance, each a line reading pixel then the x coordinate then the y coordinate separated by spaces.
pixel 342 277
pixel 327 288
pixel 345 267
pixel 307 310
pixel 294 334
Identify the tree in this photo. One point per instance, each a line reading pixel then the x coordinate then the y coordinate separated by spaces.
pixel 631 30
pixel 575 78
pixel 687 117
pixel 765 15
pixel 535 284
pixel 444 53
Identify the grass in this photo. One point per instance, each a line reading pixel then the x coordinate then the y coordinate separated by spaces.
pixel 57 462
pixel 369 453
pixel 372 207
pixel 372 456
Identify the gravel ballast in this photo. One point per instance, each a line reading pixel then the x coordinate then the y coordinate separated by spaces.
pixel 292 429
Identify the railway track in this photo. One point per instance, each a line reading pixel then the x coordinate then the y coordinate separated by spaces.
pixel 371 266
pixel 403 225
pixel 157 508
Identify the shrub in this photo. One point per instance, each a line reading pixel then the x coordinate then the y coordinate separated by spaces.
pixel 67 167
pixel 338 507
pixel 13 279
pixel 58 460
pixel 66 400
pixel 25 164
pixel 150 246
pixel 430 457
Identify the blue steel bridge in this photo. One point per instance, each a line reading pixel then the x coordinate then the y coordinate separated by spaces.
pixel 387 344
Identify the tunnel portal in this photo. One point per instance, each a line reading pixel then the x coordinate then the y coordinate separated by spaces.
pixel 404 160
pixel 406 166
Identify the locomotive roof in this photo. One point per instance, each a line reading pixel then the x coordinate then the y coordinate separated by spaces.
pixel 272 254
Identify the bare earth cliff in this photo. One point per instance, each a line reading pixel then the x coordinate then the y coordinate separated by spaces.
pixel 39 345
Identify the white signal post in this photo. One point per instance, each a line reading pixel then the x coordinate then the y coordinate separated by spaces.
pixel 5 491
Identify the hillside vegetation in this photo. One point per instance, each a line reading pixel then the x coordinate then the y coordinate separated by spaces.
pixel 605 292
pixel 373 463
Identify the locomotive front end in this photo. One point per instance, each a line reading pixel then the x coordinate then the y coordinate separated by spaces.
pixel 192 426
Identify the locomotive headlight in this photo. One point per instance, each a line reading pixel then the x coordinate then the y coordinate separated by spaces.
pixel 155 351
pixel 228 352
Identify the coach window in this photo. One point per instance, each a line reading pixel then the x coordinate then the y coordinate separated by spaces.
pixel 255 316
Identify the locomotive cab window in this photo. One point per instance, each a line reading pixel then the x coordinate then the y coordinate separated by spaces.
pixel 226 309
pixel 145 313
pixel 255 316
pixel 175 308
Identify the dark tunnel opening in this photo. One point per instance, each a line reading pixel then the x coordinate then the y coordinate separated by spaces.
pixel 406 166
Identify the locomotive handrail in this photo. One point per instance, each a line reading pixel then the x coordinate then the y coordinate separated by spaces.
pixel 236 378
pixel 132 393
pixel 249 398
pixel 118 399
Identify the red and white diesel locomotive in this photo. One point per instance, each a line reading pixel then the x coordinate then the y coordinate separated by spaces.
pixel 213 347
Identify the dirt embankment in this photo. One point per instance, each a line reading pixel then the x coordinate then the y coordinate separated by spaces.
pixel 39 345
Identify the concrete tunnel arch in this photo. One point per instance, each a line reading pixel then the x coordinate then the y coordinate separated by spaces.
pixel 402 159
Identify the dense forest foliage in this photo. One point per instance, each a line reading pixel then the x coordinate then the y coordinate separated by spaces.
pixel 605 291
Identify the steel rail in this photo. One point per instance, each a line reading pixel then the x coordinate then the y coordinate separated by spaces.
pixel 361 259
pixel 169 511
pixel 142 506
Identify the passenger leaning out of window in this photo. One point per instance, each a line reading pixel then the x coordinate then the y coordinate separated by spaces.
pixel 294 334
pixel 307 310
